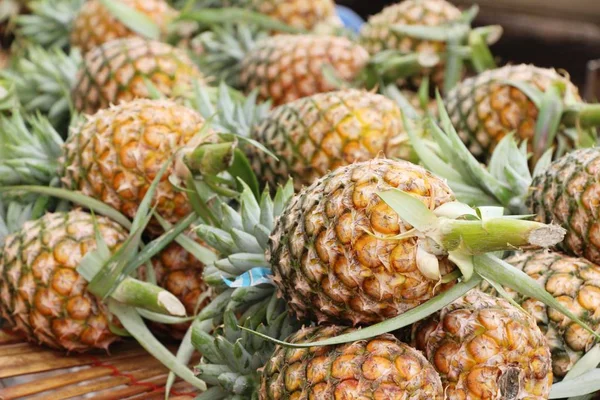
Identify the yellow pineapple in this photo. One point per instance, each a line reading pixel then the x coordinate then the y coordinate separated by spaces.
pixel 94 25
pixel 42 295
pixel 115 155
pixel 297 13
pixel 120 70
pixel 377 36
pixel 485 348
pixel 491 105
pixel 378 368
pixel 285 68
pixel 320 133
pixel 572 281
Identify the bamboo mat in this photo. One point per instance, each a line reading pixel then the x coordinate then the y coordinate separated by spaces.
pixel 28 371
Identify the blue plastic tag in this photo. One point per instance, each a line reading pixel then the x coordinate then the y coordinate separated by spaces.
pixel 350 18
pixel 254 277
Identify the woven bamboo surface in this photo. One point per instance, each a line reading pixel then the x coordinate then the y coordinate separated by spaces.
pixel 28 371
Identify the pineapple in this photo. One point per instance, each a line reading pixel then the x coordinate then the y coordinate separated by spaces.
pixel 493 104
pixel 95 25
pixel 112 156
pixel 316 134
pixel 42 295
pixel 485 348
pixel 376 35
pixel 378 368
pixel 119 71
pixel 568 192
pixel 285 68
pixel 115 155
pixel 340 254
pixel 296 13
pixel 348 274
pixel 574 282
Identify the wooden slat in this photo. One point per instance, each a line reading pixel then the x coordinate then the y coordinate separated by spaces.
pixel 17 348
pixel 129 372
pixel 99 385
pixel 152 382
pixel 47 360
pixel 67 378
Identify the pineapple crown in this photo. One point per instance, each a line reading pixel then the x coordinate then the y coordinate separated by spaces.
pixel 30 149
pixel 228 110
pixel 42 81
pixel 8 96
pixel 48 23
pixel 232 357
pixel 506 180
pixel 15 212
pixel 241 238
pixel 224 48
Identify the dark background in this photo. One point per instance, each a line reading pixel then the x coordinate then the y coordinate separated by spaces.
pixel 564 34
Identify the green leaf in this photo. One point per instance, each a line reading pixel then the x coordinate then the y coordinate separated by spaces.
pixel 588 362
pixel 236 15
pixel 481 56
pixel 242 170
pixel 548 122
pixel 408 111
pixel 159 244
pixel 410 209
pixel 533 93
pixel 75 197
pixel 423 32
pixel 134 324
pixel 108 278
pixel 464 262
pixel 494 269
pixel 582 385
pixel 186 351
pixel 410 317
pixel 203 254
pixel 133 19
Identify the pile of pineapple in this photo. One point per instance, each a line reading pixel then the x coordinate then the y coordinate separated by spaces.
pixel 319 213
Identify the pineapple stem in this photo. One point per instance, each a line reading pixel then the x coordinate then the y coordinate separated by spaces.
pixel 150 297
pixel 497 234
pixel 582 115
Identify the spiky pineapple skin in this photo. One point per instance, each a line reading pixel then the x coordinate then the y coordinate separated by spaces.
pixel 575 283
pixel 41 293
pixel 317 134
pixel 333 251
pixel 376 35
pixel 118 71
pixel 296 13
pixel 115 155
pixel 568 193
pixel 378 368
pixel 94 25
pixel 485 108
pixel 485 348
pixel 285 68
